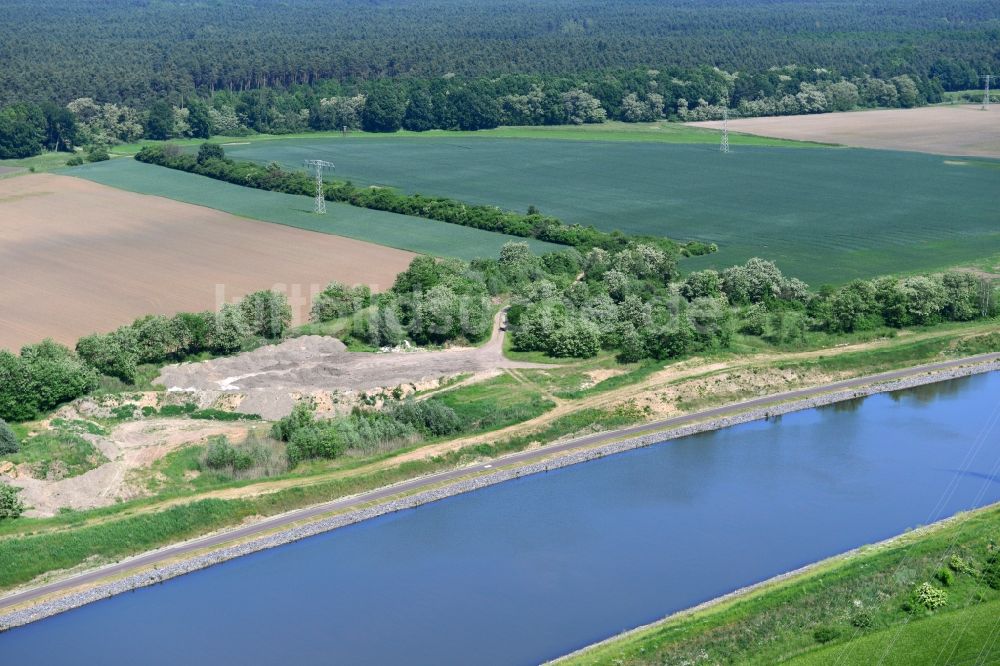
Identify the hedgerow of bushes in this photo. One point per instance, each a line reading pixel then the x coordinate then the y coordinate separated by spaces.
pixel 48 374
pixel 211 161
pixel 364 431
pixel 634 302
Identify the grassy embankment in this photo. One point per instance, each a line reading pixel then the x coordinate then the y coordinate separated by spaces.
pixel 849 610
pixel 185 508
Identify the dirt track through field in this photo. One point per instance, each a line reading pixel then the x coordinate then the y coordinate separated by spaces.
pixel 941 130
pixel 77 257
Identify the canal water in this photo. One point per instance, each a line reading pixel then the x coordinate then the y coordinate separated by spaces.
pixel 535 568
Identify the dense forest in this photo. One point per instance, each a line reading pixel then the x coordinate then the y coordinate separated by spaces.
pixel 98 73
pixel 137 51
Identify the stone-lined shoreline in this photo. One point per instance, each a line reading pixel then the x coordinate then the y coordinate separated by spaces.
pixel 50 607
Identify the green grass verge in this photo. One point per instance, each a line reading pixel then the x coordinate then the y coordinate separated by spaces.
pixel 968 636
pixel 398 231
pixel 495 403
pixel 848 609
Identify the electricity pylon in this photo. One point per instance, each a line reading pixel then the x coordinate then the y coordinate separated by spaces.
pixel 724 147
pixel 318 166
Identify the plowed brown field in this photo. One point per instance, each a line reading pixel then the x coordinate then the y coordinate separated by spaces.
pixel 77 257
pixel 943 130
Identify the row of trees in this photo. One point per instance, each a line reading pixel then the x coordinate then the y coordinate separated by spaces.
pixel 46 375
pixel 158 339
pixel 211 161
pixel 633 301
pixel 453 103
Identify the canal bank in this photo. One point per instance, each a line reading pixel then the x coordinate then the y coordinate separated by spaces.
pixel 478 477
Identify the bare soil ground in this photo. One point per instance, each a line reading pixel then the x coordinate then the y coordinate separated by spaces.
pixel 271 379
pixel 132 446
pixel 77 257
pixel 942 130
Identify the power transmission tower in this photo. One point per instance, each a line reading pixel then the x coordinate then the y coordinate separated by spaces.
pixel 724 147
pixel 986 91
pixel 318 166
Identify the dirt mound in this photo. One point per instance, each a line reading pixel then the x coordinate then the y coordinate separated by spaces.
pixel 272 378
pixel 132 446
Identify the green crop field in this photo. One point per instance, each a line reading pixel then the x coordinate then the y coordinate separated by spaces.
pixel 656 132
pixel 824 214
pixel 399 231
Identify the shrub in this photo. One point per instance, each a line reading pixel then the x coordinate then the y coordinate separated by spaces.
pixel 991 572
pixel 429 417
pixel 8 440
pixel 960 565
pixel 254 458
pixel 824 635
pixel 266 313
pixel 221 415
pixel 863 619
pixel 301 417
pixel 219 453
pixel 113 354
pixel 210 151
pixel 41 378
pixel 755 319
pixel 57 374
pixel 17 397
pixel 230 330
pixel 339 300
pixel 98 154
pixel 178 410
pixel 315 442
pixel 945 576
pixel 125 412
pixel 11 505
pixel 76 160
pixel 930 597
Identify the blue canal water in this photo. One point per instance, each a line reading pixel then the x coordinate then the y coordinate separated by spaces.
pixel 531 569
